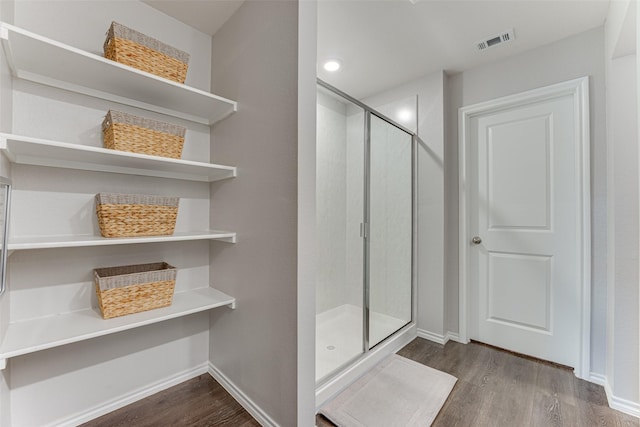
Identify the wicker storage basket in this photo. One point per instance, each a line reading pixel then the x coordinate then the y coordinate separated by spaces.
pixel 127 215
pixel 134 288
pixel 126 132
pixel 132 48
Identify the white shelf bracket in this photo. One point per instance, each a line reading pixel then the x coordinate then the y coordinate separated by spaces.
pixel 4 36
pixel 3 364
pixel 233 305
pixel 231 239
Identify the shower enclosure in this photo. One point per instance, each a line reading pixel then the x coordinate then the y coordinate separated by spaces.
pixel 365 227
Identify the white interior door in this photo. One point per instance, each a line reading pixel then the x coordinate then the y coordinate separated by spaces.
pixel 524 270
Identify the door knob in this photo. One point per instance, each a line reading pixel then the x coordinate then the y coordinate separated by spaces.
pixel 476 240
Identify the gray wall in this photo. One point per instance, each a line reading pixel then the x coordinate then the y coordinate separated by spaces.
pixel 622 364
pixel 255 61
pixel 622 298
pixel 577 56
pixel 307 248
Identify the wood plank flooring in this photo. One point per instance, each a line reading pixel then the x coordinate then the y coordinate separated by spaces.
pixel 495 388
pixel 198 402
pixel 499 389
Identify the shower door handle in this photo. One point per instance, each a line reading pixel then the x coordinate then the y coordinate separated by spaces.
pixel 364 230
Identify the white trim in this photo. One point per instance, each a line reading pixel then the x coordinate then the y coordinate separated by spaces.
pixel 128 398
pixel 453 336
pixel 245 401
pixel 579 89
pixel 307 247
pixel 620 404
pixel 432 336
pixel 597 378
pixel 437 338
pixel 463 225
pixel 581 94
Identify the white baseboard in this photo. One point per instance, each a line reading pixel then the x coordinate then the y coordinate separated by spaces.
pixel 134 396
pixel 453 336
pixel 437 338
pixel 597 379
pixel 245 401
pixel 619 404
pixel 427 335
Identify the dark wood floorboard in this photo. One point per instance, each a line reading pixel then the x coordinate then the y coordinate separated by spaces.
pixel 496 388
pixel 198 402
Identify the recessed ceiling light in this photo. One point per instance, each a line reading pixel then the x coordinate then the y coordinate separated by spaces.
pixel 332 65
pixel 405 115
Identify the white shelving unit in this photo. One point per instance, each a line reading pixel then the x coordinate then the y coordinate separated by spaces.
pixel 39 59
pixel 52 242
pixel 42 152
pixel 42 60
pixel 53 331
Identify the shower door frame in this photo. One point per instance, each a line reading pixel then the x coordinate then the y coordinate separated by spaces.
pixel 368 112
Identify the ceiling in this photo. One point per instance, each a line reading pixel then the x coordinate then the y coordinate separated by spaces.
pixel 384 43
pixel 206 16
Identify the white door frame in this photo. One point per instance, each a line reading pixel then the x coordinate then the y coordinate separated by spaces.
pixel 579 90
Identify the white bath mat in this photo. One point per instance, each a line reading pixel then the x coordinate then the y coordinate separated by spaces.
pixel 398 392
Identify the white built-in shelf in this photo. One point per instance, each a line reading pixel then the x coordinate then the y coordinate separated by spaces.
pixel 42 60
pixel 39 334
pixel 51 242
pixel 42 152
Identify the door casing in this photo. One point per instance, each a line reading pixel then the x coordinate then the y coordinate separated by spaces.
pixel 578 89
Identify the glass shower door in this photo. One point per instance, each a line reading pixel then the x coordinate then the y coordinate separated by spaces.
pixel 364 228
pixel 339 212
pixel 390 229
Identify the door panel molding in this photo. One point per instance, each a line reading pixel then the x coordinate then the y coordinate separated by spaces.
pixel 578 90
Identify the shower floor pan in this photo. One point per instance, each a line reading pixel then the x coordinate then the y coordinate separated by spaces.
pixel 339 335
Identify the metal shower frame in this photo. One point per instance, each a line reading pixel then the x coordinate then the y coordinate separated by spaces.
pixel 368 112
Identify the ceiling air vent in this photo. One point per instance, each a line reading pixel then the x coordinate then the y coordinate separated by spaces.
pixel 503 37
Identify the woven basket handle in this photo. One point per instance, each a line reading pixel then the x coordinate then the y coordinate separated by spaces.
pixel 110 36
pixel 107 121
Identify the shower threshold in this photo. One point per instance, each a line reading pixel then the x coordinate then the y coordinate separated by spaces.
pixel 339 335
